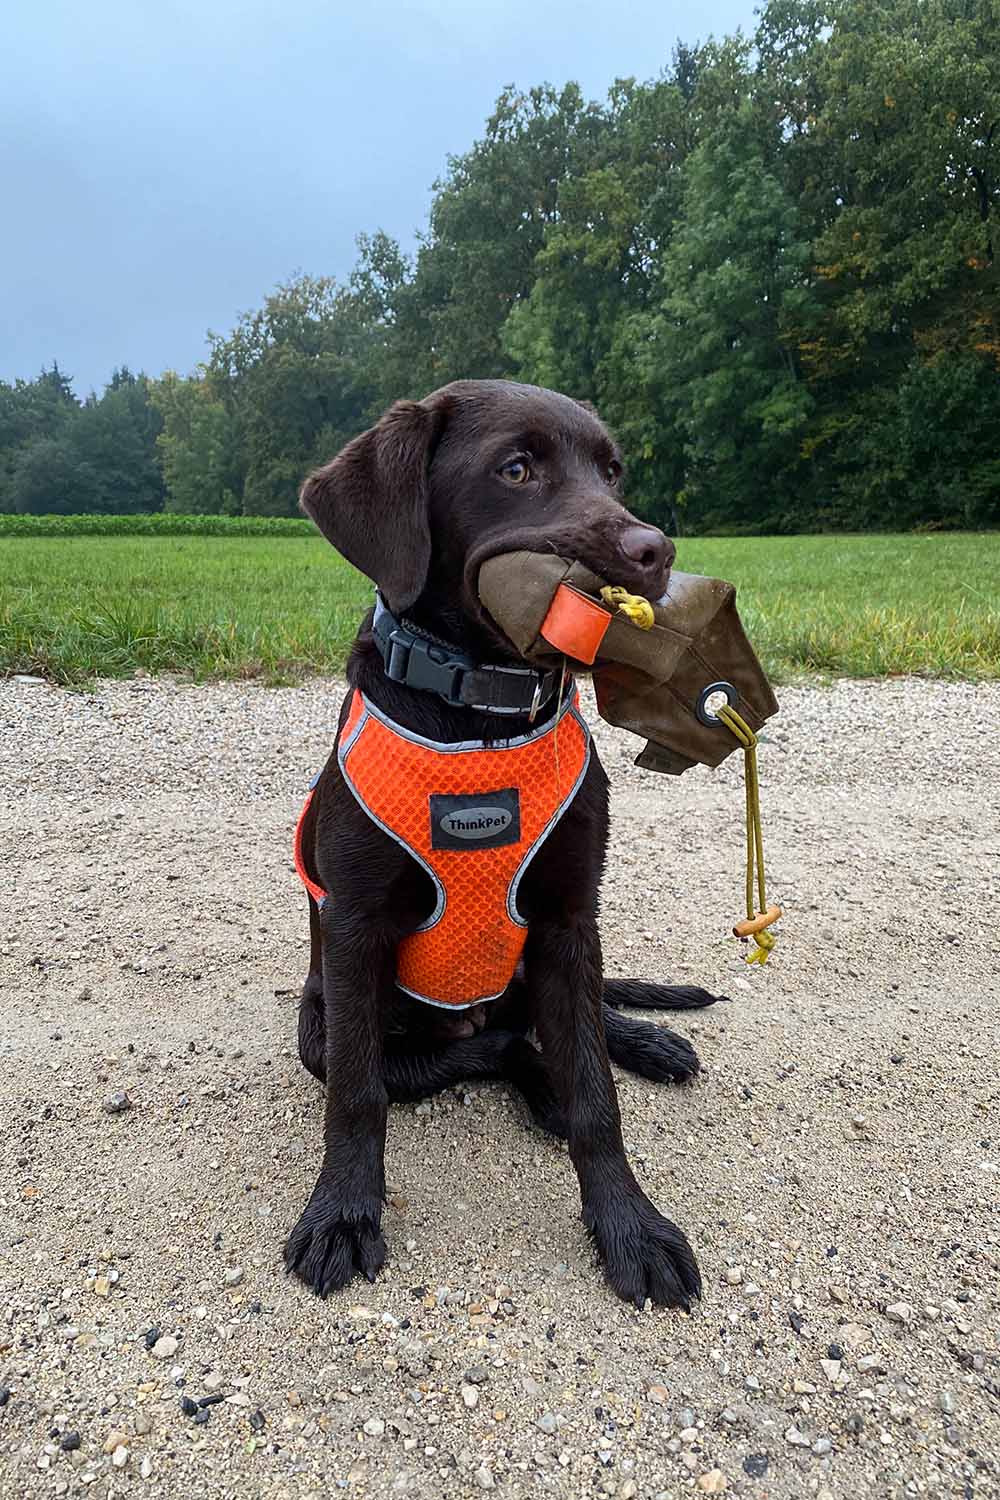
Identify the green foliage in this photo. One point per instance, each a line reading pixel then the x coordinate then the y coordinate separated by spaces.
pixel 164 524
pixel 296 369
pixel 772 268
pixel 197 448
pixel 719 352
pixel 57 455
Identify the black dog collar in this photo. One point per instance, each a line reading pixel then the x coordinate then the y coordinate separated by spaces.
pixel 419 661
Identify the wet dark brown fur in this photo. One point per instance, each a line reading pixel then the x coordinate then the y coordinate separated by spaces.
pixel 418 503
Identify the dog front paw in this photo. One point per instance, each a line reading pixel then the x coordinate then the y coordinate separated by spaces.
pixel 334 1241
pixel 644 1254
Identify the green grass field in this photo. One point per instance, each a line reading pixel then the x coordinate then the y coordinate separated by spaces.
pixel 279 607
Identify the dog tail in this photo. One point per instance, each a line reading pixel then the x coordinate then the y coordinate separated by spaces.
pixel 643 994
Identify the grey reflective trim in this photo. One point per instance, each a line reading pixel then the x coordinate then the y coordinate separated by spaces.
pixel 342 753
pixel 448 1004
pixel 512 889
pixel 463 746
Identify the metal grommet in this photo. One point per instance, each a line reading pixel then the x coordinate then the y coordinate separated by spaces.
pixel 731 697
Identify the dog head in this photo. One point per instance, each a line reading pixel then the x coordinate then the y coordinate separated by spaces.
pixel 480 467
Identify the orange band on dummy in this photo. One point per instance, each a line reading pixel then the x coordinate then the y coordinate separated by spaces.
pixel 575 625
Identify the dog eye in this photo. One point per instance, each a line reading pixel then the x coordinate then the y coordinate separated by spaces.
pixel 515 472
pixel 613 472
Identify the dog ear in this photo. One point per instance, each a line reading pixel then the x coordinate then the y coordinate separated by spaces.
pixel 371 501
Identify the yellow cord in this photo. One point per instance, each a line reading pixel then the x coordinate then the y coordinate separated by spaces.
pixel 758 921
pixel 638 610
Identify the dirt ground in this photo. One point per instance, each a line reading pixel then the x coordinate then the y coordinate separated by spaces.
pixel 837 1165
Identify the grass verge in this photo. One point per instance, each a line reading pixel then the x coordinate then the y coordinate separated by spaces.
pixel 280 607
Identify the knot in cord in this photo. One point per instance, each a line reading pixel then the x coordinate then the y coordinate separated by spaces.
pixel 638 610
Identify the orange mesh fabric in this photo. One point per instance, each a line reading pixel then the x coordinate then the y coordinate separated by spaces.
pixel 316 891
pixel 469 948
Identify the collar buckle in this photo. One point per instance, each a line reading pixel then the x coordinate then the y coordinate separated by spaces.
pixel 419 661
pixel 421 664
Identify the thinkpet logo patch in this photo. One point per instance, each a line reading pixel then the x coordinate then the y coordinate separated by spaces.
pixel 485 821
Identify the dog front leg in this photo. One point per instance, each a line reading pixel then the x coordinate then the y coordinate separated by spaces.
pixel 644 1254
pixel 339 1233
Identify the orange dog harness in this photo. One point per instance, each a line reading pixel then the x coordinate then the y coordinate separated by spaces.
pixel 473 815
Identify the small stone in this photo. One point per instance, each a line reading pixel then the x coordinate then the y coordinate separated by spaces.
pixel 188 1407
pixel 821 1447
pixel 166 1347
pixel 803 1387
pixel 946 1402
pixel 115 1440
pixel 102 1286
pixel 143 1425
pixel 478 1375
pixel 688 1435
pixel 658 1394
pixel 375 1427
pixel 117 1103
pixel 755 1464
pixel 146 1467
pixel 470 1396
pixel 120 1456
pixel 796 1438
pixel 629 1490
pixel 484 1478
pixel 855 1335
pixel 712 1483
pixel 734 1275
pixel 686 1417
pixel 70 1441
pixel 837 1294
pixel 899 1312
pixel 831 1369
pixel 869 1362
pixel 233 1276
pixel 834 1351
pixel 546 1422
pixel 257 1421
pixel 202 1415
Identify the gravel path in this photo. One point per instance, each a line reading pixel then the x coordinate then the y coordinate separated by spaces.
pixel 837 1166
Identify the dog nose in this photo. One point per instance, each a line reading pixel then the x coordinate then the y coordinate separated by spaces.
pixel 648 548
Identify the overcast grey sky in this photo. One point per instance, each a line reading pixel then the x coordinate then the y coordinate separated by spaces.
pixel 166 162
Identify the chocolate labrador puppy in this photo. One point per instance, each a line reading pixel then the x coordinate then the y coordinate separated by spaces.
pixel 418 503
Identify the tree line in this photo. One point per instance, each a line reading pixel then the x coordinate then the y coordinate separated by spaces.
pixel 772 269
